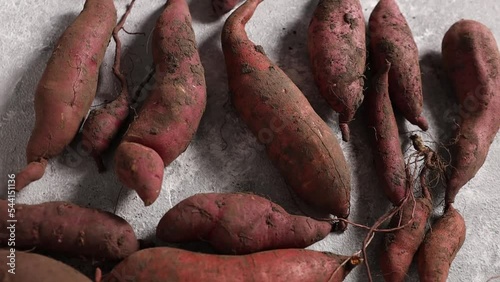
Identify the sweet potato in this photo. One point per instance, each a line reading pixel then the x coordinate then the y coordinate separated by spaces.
pixel 389 160
pixel 472 60
pixel 67 87
pixel 69 229
pixel 337 50
pixel 170 116
pixel 391 39
pixel 298 141
pixel 34 267
pixel 441 244
pixel 223 6
pixel 168 264
pixel 237 223
pixel 402 245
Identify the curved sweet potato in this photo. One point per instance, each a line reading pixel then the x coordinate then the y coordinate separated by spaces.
pixel 472 61
pixel 168 264
pixel 67 87
pixel 440 246
pixel 69 229
pixel 33 267
pixel 337 50
pixel 237 223
pixel 298 141
pixel 389 160
pixel 391 39
pixel 170 116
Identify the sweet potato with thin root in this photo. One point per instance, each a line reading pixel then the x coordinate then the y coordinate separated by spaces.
pixel 337 50
pixel 34 267
pixel 65 228
pixel 389 160
pixel 170 116
pixel 441 244
pixel 223 6
pixel 298 142
pixel 168 264
pixel 68 86
pixel 237 223
pixel 391 39
pixel 472 60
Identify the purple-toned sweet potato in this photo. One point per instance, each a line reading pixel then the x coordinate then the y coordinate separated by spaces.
pixel 291 265
pixel 237 223
pixel 68 86
pixel 391 40
pixel 223 6
pixel 389 160
pixel 440 246
pixel 472 60
pixel 170 116
pixel 66 228
pixel 298 142
pixel 337 50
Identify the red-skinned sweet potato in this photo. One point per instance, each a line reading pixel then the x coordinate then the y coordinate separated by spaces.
pixel 389 160
pixel 68 86
pixel 170 116
pixel 472 60
pixel 440 246
pixel 237 223
pixel 337 50
pixel 168 264
pixel 298 141
pixel 34 267
pixel 223 6
pixel 69 229
pixel 391 39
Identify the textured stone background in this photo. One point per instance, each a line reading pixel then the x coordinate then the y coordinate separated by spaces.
pixel 30 29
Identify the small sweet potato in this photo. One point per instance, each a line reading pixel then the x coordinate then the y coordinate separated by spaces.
pixel 298 142
pixel 68 86
pixel 170 116
pixel 337 50
pixel 223 6
pixel 391 39
pixel 389 160
pixel 291 265
pixel 440 246
pixel 472 60
pixel 69 229
pixel 34 267
pixel 237 223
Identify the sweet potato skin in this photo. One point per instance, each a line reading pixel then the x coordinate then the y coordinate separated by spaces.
pixel 441 244
pixel 168 264
pixel 34 267
pixel 391 39
pixel 169 118
pixel 401 245
pixel 67 87
pixel 223 6
pixel 69 229
pixel 389 160
pixel 472 60
pixel 298 142
pixel 338 71
pixel 237 223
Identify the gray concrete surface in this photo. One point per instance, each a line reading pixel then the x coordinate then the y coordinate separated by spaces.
pixel 30 28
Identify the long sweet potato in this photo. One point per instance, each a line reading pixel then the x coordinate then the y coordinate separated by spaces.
pixel 472 61
pixel 69 229
pixel 391 39
pixel 389 160
pixel 170 116
pixel 33 267
pixel 68 86
pixel 168 264
pixel 237 223
pixel 337 50
pixel 440 246
pixel 298 141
